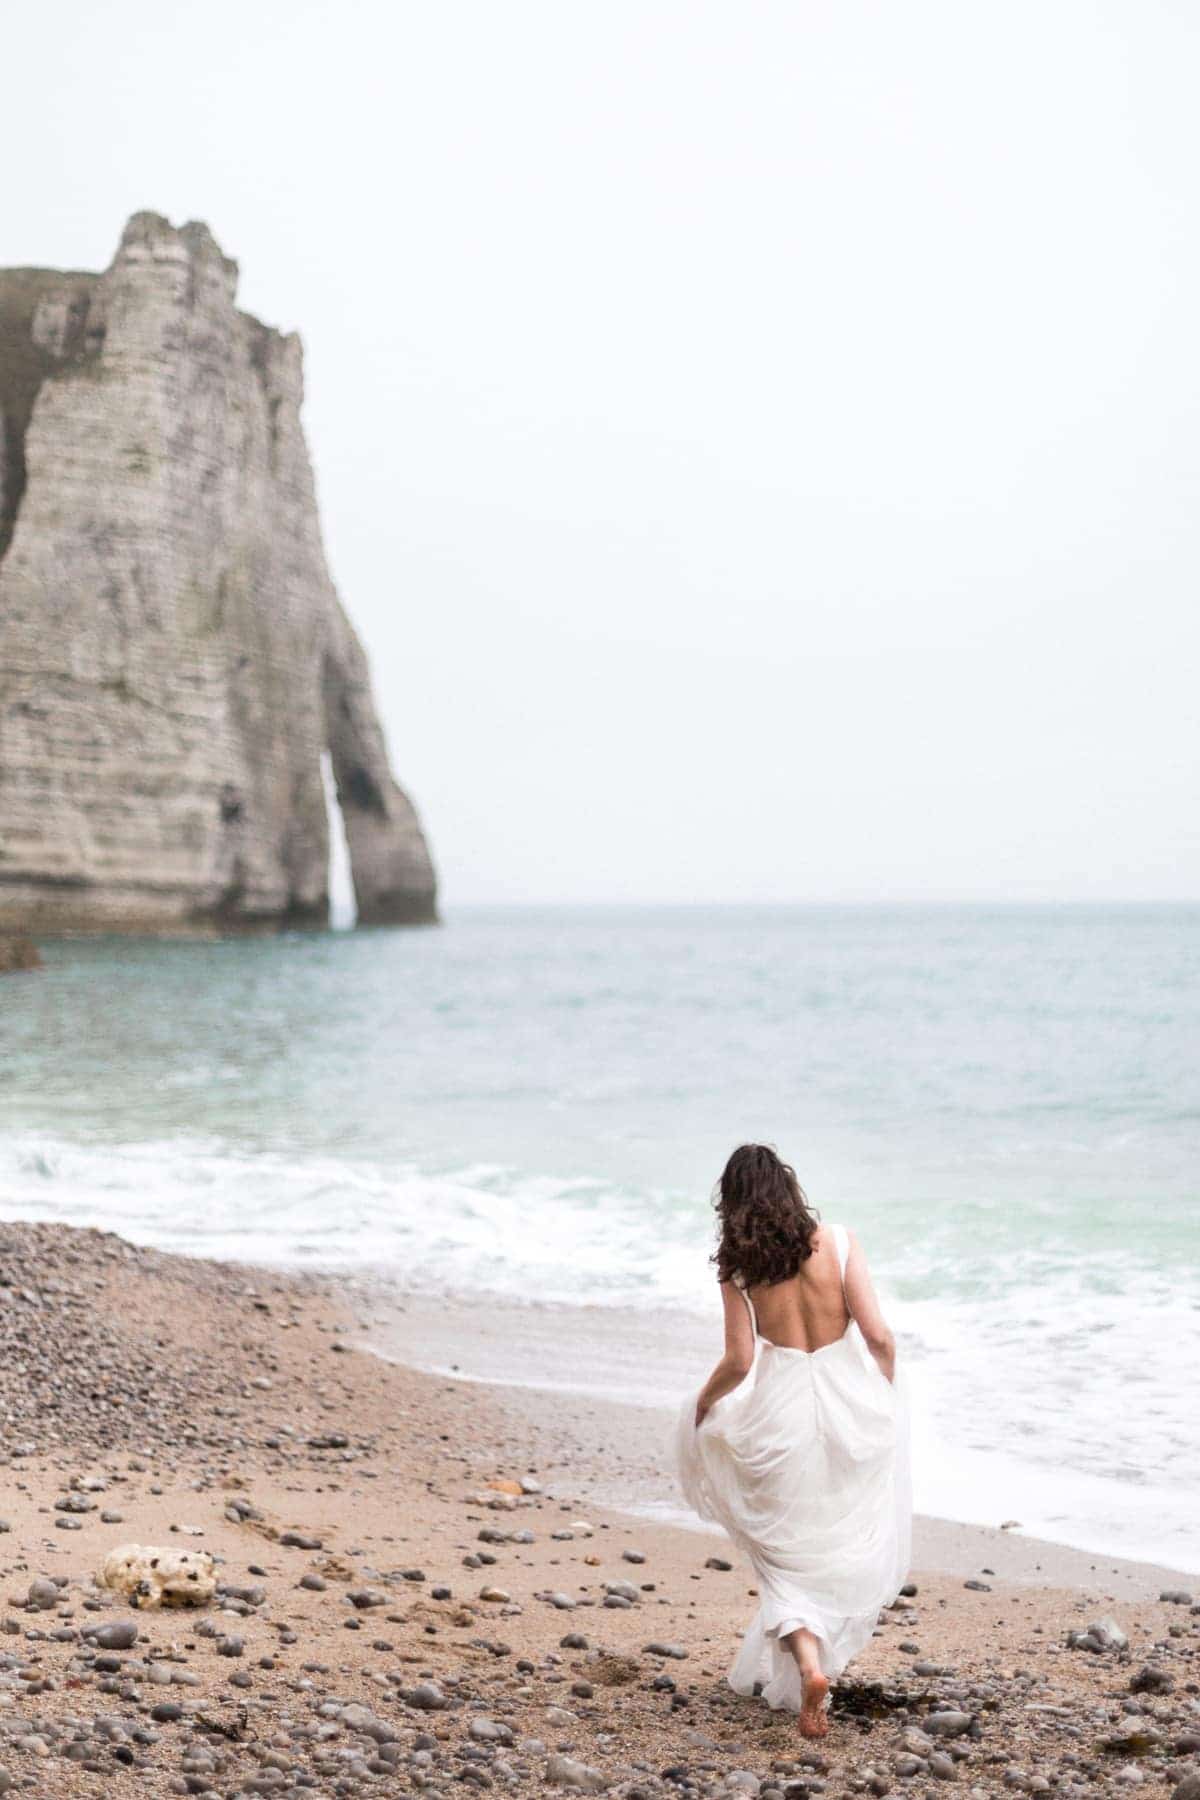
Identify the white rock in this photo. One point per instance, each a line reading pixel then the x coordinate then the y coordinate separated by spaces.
pixel 563 1771
pixel 173 655
pixel 149 1577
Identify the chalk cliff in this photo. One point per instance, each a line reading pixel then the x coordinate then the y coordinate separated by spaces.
pixel 173 656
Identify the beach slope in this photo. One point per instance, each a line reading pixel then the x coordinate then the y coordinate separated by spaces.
pixel 417 1594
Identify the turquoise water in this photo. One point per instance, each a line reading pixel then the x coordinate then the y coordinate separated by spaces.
pixel 1004 1103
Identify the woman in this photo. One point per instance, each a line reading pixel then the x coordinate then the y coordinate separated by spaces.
pixel 798 1442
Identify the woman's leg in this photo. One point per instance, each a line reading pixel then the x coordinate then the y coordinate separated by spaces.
pixel 814 1685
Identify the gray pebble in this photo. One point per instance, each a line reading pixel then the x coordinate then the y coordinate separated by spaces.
pixel 121 1634
pixel 489 1731
pixel 947 1724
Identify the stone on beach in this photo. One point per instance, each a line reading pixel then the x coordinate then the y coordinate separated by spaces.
pixel 150 1577
pixel 947 1724
pixel 121 1634
pixel 1102 1634
pixel 564 1771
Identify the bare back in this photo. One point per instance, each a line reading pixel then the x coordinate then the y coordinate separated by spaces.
pixel 810 1310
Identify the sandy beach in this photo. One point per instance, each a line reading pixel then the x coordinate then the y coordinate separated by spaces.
pixel 420 1589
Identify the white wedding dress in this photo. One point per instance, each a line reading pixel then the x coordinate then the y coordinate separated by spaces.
pixel 806 1464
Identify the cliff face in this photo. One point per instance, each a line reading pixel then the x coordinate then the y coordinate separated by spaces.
pixel 173 655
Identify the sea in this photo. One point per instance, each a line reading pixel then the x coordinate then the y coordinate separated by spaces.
pixel 530 1107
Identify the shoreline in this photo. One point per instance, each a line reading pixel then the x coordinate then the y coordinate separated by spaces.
pixel 395 1609
pixel 600 1355
pixel 941 1546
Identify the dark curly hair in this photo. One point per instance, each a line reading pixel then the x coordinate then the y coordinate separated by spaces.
pixel 767 1225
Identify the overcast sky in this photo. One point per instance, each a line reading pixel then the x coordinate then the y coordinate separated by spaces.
pixel 756 442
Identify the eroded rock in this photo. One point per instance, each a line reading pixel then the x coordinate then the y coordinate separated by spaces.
pixel 173 655
pixel 149 1577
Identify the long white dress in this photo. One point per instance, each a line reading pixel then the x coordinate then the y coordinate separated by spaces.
pixel 806 1464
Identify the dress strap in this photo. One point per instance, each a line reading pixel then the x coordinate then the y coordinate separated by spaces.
pixel 750 1309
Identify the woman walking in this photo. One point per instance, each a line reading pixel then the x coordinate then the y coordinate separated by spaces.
pixel 798 1441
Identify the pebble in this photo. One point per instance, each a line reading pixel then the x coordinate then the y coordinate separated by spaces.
pixel 427 1697
pixel 365 1598
pixel 74 1503
pixel 1151 1680
pixel 122 1634
pixel 1102 1634
pixel 489 1731
pixel 947 1724
pixel 564 1771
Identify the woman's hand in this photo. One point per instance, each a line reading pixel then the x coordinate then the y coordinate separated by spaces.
pixel 702 1408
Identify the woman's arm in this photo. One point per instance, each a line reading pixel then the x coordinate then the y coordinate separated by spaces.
pixel 736 1363
pixel 865 1311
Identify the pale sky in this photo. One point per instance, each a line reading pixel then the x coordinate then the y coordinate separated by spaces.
pixel 757 442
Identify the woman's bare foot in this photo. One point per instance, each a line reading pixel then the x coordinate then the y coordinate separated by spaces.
pixel 813 1722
